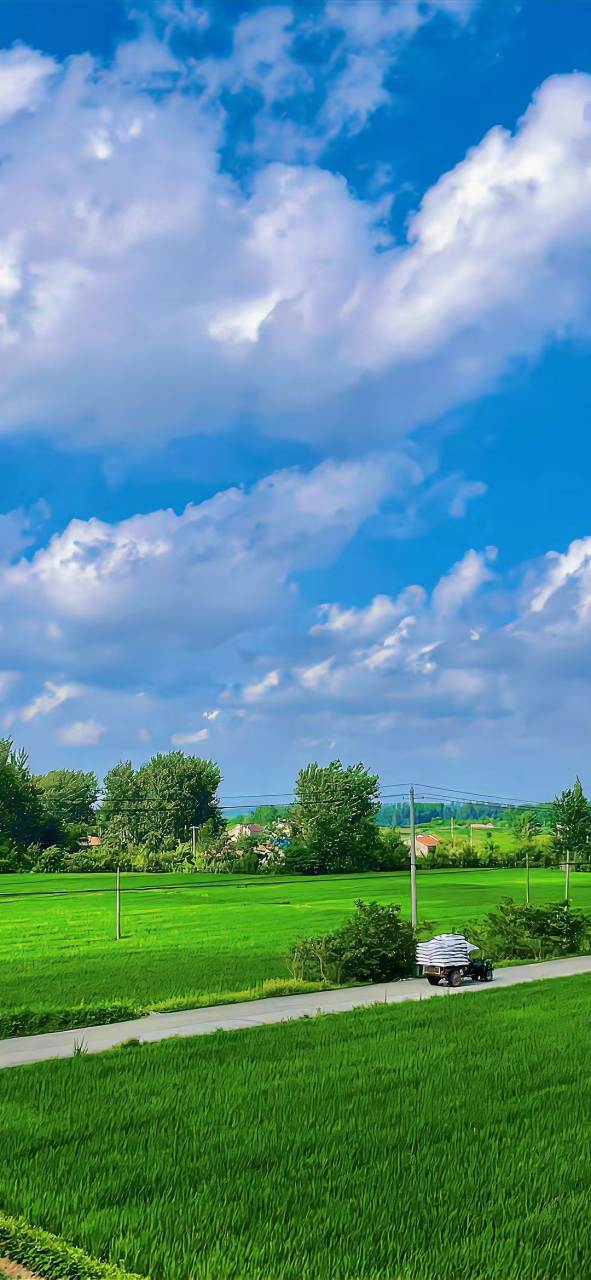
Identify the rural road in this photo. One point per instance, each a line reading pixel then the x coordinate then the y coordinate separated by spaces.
pixel 198 1022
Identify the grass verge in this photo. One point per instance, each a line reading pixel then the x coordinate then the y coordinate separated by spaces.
pixel 29 1022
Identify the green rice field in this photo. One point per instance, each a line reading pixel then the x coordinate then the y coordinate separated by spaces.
pixel 448 1140
pixel 207 935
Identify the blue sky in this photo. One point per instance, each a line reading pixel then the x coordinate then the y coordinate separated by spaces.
pixel 294 356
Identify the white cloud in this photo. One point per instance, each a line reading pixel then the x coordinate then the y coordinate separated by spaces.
pixel 254 692
pixel 23 74
pixel 462 581
pixel 314 677
pixel 184 739
pixel 195 581
pixel 211 715
pixel 81 733
pixel 574 569
pixel 53 696
pixel 146 292
pixel 500 668
pixel 381 612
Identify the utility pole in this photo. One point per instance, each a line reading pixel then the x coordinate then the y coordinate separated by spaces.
pixel 452 832
pixel 193 830
pixel 527 874
pixel 566 887
pixel 413 861
pixel 118 904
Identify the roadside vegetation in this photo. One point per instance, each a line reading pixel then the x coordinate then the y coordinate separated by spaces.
pixel 315 1148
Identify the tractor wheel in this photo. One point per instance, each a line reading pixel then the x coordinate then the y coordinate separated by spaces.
pixel 454 978
pixel 433 980
pixel 488 974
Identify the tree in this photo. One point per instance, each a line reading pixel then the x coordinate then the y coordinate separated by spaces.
pixel 392 853
pixel 334 817
pixel 158 804
pixel 68 795
pixel 22 819
pixel 267 814
pixel 571 823
pixel 121 816
pixel 527 826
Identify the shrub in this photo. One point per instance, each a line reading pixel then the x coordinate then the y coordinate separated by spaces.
pixel 375 945
pixel 514 931
pixel 52 1257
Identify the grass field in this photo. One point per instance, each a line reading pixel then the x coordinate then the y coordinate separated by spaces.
pixel 205 935
pixel 503 836
pixel 416 1142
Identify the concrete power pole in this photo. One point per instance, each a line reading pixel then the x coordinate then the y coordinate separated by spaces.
pixel 413 861
pixel 118 904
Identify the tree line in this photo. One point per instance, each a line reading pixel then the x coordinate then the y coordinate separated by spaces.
pixel 166 815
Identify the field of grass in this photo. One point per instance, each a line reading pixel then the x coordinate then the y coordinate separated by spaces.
pixel 415 1142
pixel 502 835
pixel 205 935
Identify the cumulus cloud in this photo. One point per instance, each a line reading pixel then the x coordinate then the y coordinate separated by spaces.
pixel 81 733
pixel 144 292
pixel 477 660
pixel 191 582
pixel 23 74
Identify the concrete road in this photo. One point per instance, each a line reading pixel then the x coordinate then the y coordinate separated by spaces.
pixel 199 1022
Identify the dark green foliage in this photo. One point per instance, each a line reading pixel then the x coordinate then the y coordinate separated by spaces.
pixel 571 824
pixel 447 1139
pixel 22 818
pixel 158 804
pixel 375 945
pixel 334 817
pixel 514 931
pixel 391 854
pixel 68 795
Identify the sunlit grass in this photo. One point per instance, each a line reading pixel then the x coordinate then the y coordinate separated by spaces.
pixel 206 935
pixel 414 1142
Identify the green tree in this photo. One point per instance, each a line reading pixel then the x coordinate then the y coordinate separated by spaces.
pixel 334 817
pixel 392 854
pixel 121 816
pixel 527 826
pixel 158 804
pixel 571 824
pixel 22 819
pixel 68 795
pixel 267 814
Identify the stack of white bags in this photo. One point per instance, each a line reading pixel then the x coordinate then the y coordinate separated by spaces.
pixel 446 949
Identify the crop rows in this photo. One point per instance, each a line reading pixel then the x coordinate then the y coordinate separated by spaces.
pixel 205 936
pixel 420 1142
